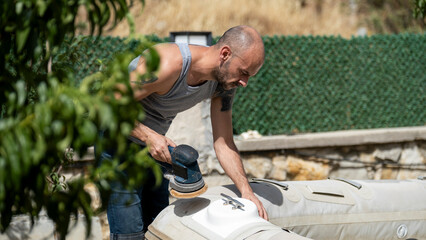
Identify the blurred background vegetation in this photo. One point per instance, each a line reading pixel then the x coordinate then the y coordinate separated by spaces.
pixel 275 17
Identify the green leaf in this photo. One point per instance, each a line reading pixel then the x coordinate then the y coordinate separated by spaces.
pixel 57 127
pixel 67 18
pixel 66 142
pixel 152 60
pixel 42 92
pixel 22 93
pixel 18 7
pixel 43 116
pixel 106 115
pixel 39 150
pixel 21 37
pixel 41 7
pixel 88 132
pixel 131 23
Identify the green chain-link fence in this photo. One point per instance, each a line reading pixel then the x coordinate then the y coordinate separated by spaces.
pixel 317 84
pixel 97 51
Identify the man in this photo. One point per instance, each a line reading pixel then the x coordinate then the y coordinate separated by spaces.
pixel 187 75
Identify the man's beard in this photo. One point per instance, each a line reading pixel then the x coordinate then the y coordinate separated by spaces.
pixel 221 76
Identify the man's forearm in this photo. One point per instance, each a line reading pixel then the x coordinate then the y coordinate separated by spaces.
pixel 231 163
pixel 141 132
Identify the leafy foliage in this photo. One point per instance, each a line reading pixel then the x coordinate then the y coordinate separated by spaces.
pixel 44 113
pixel 419 8
pixel 390 16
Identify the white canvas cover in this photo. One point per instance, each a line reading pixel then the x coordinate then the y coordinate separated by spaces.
pixel 325 209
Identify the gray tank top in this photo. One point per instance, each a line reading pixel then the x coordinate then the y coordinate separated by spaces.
pixel 160 110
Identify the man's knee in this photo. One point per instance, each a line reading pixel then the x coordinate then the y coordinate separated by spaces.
pixel 125 213
pixel 129 236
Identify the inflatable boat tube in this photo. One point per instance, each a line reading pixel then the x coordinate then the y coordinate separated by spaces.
pixel 324 209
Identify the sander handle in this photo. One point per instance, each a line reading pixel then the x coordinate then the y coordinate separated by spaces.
pixel 184 165
pixel 181 160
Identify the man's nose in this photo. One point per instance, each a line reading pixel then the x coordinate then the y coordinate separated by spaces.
pixel 243 82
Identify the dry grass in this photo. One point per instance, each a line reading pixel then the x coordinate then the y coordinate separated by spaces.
pixel 269 17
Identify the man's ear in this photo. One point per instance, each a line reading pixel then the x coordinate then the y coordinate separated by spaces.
pixel 225 53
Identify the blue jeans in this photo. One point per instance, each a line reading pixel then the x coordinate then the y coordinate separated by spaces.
pixel 130 212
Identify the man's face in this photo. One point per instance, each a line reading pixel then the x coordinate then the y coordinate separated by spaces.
pixel 236 71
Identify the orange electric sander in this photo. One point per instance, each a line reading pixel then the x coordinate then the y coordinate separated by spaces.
pixel 184 173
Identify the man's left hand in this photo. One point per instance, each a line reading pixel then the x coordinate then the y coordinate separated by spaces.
pixel 261 210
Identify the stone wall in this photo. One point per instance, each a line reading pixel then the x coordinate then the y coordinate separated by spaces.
pixel 405 160
pixel 385 161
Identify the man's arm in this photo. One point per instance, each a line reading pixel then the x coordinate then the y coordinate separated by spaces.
pixel 226 151
pixel 169 71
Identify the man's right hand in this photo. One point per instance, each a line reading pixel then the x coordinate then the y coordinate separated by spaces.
pixel 158 145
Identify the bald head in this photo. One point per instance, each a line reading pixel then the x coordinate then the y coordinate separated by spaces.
pixel 241 39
